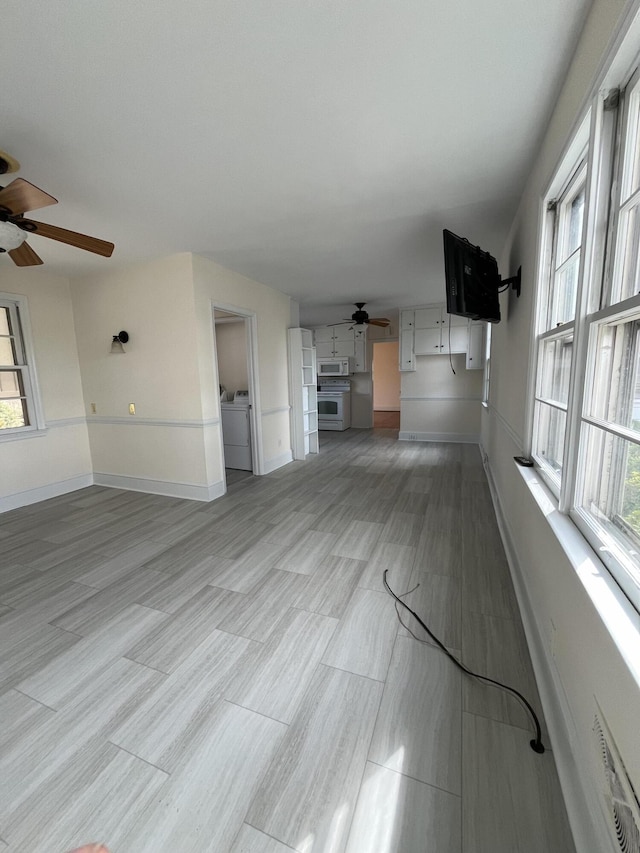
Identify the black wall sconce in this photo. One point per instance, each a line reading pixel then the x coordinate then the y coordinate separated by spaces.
pixel 118 341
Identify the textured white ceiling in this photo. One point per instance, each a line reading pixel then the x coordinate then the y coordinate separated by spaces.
pixel 317 146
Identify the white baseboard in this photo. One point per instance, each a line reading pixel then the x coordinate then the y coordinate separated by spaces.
pixel 43 493
pixel 584 813
pixel 190 491
pixel 455 437
pixel 277 462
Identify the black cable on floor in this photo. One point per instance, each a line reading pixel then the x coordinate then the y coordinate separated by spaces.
pixel 536 744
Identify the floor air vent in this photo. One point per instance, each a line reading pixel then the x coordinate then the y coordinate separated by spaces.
pixel 622 805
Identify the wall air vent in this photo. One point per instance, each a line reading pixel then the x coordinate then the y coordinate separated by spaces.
pixel 621 802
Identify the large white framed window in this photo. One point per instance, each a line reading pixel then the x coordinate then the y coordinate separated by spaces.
pixel 606 504
pixel 564 230
pixel 586 405
pixel 20 409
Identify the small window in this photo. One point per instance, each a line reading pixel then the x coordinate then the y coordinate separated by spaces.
pixel 18 403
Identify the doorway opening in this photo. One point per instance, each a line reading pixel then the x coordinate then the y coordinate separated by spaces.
pixel 386 385
pixel 236 387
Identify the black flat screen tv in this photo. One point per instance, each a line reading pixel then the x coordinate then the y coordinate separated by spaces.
pixel 472 280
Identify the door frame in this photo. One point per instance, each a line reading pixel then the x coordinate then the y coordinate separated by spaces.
pixel 253 375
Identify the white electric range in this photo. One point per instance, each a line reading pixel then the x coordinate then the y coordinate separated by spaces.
pixel 334 403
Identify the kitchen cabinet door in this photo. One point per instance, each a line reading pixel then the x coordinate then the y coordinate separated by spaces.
pixel 459 337
pixel 428 318
pixel 344 349
pixel 474 353
pixel 407 360
pixel 407 319
pixel 427 341
pixel 323 335
pixel 324 350
pixel 361 356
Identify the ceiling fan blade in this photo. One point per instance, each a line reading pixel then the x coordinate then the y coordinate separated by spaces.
pixel 20 196
pixel 378 321
pixel 24 256
pixel 72 238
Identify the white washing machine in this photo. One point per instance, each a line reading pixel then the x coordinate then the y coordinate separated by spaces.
pixel 236 431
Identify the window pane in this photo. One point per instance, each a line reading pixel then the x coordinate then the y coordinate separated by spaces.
pixel 7 351
pixel 627 255
pixel 16 396
pixel 564 290
pixel 13 413
pixel 550 436
pixel 576 216
pixel 4 321
pixel 632 165
pixel 556 365
pixel 615 396
pixel 611 492
pixel 11 384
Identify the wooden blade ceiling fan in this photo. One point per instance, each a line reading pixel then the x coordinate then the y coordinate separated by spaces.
pixel 19 197
pixel 361 317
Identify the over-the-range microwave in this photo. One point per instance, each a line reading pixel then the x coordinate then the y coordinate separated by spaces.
pixel 335 366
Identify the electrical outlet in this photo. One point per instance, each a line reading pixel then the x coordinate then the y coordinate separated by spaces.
pixel 93 408
pixel 132 408
pixel 412 436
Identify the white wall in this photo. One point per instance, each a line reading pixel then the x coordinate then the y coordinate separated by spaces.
pixel 173 444
pixel 58 459
pixel 160 448
pixel 577 658
pixel 438 405
pixel 231 351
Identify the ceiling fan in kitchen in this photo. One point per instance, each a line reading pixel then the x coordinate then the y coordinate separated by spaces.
pixel 361 317
pixel 19 197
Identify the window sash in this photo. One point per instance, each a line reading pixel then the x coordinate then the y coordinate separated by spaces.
pixel 20 409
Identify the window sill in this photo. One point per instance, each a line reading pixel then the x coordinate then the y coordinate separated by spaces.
pixel 619 616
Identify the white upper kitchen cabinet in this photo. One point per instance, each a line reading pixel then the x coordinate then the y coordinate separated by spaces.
pixel 430 330
pixel 342 341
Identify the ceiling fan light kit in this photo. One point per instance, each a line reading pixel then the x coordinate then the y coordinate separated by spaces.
pixel 10 236
pixel 16 199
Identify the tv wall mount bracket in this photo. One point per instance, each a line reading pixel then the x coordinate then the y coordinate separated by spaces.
pixel 515 282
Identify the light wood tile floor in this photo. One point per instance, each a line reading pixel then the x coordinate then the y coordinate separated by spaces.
pixel 231 677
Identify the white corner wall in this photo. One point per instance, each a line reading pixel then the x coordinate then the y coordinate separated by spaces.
pixel 56 460
pixel 161 448
pixel 173 443
pixel 579 660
